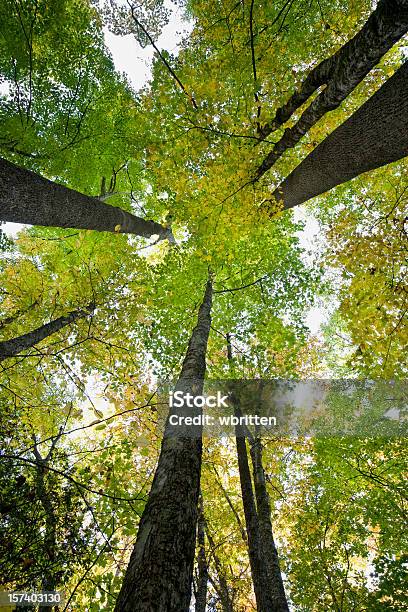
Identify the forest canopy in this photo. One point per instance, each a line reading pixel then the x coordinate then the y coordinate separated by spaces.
pixel 240 218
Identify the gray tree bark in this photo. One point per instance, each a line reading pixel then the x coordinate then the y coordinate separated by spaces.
pixel 259 573
pixel 341 73
pixel 270 553
pixel 221 588
pixel 375 135
pixel 26 197
pixel 13 347
pixel 263 595
pixel 160 571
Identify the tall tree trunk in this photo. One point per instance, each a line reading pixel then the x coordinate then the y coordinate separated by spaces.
pixel 257 563
pixel 11 348
pixel 202 569
pixel 263 557
pixel 341 73
pixel 221 589
pixel 160 571
pixel 375 135
pixel 26 197
pixel 270 553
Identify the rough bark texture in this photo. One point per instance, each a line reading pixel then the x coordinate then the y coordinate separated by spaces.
pixel 160 571
pixel 202 569
pixel 259 572
pixel 341 73
pixel 279 601
pixel 11 348
pixel 221 587
pixel 26 197
pixel 375 135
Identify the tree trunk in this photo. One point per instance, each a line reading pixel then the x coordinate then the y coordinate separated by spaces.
pixel 160 571
pixel 341 72
pixel 11 348
pixel 257 563
pixel 375 135
pixel 222 588
pixel 202 577
pixel 26 197
pixel 270 553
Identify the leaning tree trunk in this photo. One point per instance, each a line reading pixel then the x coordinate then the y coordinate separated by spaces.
pixel 375 135
pixel 341 73
pixel 202 568
pixel 13 347
pixel 279 601
pixel 160 571
pixel 26 197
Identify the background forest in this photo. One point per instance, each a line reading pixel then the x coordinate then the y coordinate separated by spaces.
pixel 167 238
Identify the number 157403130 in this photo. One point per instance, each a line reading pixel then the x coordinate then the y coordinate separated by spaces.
pixel 21 599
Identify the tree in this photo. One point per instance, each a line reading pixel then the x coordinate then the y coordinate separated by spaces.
pixel 65 488
pixel 367 247
pixel 341 73
pixel 62 101
pixel 375 135
pixel 5 242
pixel 265 570
pixel 259 570
pixel 29 198
pixel 339 525
pixel 279 601
pixel 45 556
pixel 14 346
pixel 185 150
pixel 160 569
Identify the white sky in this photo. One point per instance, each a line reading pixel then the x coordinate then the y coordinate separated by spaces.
pixel 135 62
pixel 310 240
